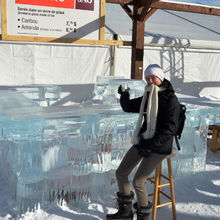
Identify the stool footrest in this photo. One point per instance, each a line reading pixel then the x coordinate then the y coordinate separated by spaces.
pixel 163 193
pixel 151 179
pixel 165 177
pixel 163 185
pixel 164 204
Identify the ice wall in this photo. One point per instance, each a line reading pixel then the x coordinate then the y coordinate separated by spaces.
pixel 51 154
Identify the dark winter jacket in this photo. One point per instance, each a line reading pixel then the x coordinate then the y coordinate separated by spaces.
pixel 167 119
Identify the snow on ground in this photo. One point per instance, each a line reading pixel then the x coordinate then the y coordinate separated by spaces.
pixel 197 198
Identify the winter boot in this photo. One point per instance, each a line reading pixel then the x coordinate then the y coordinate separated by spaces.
pixel 143 212
pixel 124 208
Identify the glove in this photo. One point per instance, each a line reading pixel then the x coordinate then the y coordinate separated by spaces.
pixel 121 89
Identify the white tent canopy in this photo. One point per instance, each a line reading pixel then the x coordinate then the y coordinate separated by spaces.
pixel 186 45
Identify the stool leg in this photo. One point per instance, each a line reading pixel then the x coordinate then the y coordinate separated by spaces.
pixel 214 140
pixel 160 177
pixel 156 183
pixel 171 187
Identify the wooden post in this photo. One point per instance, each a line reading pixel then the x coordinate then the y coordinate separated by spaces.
pixel 137 44
pixel 102 21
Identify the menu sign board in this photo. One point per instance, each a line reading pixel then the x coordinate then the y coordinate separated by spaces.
pixel 49 3
pixel 72 19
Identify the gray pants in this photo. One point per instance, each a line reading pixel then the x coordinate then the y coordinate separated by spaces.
pixel 147 165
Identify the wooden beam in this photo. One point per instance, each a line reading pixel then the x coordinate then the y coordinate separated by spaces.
pixel 102 21
pixel 131 2
pixel 4 19
pixel 151 12
pixel 66 40
pixel 145 14
pixel 128 11
pixel 123 2
pixel 186 8
pixel 194 8
pixel 145 10
pixel 144 2
pixel 137 44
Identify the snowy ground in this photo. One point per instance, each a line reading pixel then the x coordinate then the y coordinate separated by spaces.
pixel 197 198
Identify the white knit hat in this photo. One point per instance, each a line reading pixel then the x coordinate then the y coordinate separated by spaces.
pixel 154 69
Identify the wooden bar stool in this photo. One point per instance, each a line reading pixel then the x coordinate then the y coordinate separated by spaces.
pixel 157 181
pixel 215 134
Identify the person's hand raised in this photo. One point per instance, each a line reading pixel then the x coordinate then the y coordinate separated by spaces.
pixel 122 89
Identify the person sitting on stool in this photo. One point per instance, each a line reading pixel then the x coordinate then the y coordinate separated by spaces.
pixel 151 143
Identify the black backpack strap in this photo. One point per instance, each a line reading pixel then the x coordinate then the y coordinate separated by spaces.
pixel 177 142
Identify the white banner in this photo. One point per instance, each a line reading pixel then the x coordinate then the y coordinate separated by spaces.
pixel 54 18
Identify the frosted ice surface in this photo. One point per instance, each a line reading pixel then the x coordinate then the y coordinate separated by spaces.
pixel 15 105
pixel 72 153
pixel 43 95
pixel 106 89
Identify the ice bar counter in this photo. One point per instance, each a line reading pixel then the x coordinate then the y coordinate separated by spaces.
pixel 70 154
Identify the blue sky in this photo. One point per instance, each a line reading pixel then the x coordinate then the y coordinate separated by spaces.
pixel 205 2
